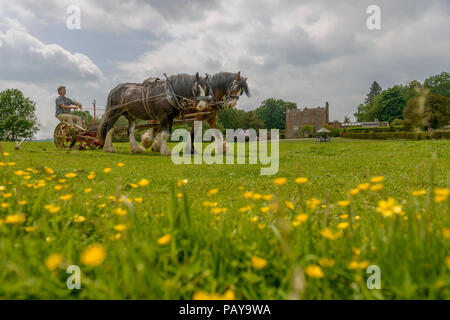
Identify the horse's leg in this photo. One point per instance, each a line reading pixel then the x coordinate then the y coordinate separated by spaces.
pixel 164 137
pixel 147 138
pixel 213 125
pixel 108 147
pixel 192 150
pixel 134 146
pixel 156 147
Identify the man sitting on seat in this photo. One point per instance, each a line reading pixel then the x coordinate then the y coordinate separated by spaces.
pixel 63 107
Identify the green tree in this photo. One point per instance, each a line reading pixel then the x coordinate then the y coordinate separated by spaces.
pixel 439 84
pixel 361 112
pixel 85 115
pixel 251 120
pixel 347 119
pixel 389 104
pixel 17 116
pixel 375 90
pixel 440 110
pixel 273 113
pixel 230 118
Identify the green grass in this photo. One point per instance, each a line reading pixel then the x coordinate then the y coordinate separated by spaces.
pixel 212 252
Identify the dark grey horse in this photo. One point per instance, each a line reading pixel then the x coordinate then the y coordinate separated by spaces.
pixel 149 101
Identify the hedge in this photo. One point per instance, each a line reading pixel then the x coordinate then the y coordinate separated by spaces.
pixel 398 135
pixel 375 129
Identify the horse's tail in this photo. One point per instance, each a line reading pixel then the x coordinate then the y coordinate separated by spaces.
pixel 107 121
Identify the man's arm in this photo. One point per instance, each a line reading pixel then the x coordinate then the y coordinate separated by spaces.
pixel 62 105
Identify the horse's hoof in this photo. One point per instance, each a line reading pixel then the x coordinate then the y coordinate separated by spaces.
pixel 166 152
pixel 137 149
pixel 110 150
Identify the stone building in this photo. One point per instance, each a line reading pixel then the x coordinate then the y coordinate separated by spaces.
pixel 296 118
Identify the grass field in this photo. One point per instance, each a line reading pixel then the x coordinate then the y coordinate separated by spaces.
pixel 227 232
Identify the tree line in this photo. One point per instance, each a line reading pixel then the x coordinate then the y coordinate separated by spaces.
pixel 415 105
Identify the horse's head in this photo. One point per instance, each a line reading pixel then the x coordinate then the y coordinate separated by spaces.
pixel 203 92
pixel 234 90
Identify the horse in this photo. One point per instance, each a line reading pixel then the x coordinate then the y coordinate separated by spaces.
pixel 154 99
pixel 227 88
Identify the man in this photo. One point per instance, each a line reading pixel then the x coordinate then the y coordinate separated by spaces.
pixel 63 107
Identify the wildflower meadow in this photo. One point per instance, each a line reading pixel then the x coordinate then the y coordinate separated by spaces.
pixel 141 227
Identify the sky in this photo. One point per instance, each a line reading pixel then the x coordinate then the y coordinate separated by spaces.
pixel 306 52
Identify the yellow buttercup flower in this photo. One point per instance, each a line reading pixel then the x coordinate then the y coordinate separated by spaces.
pixel 314 271
pixel 328 234
pixel 268 197
pixel 87 190
pixel 279 181
pixel 441 194
pixel 301 180
pixel 245 209
pixel 120 211
pixel 179 195
pixel 93 255
pixel 312 203
pixel 419 193
pixel 66 197
pixel 91 176
pixel 358 265
pixel 120 164
pixel 377 179
pixel 253 219
pixel 107 170
pixel 218 210
pixel 53 261
pixel 264 209
pixel 257 196
pixel 79 219
pixel 354 191
pixel 343 225
pixel 388 207
pixel 19 173
pixel 182 182
pixel 202 295
pixel 376 187
pixel 213 191
pixel 165 239
pixel 49 170
pixel 5 205
pixel 326 263
pixel 258 263
pixel 70 175
pixel 248 194
pixel 446 233
pixel 289 204
pixel 138 200
pixel 120 227
pixel 299 219
pixel 447 262
pixel 343 203
pixel 143 182
pixel 52 208
pixel 363 186
pixel 15 218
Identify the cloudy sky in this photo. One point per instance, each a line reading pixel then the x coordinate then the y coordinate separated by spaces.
pixel 307 51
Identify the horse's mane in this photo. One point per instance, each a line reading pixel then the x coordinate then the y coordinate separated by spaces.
pixel 182 84
pixel 223 80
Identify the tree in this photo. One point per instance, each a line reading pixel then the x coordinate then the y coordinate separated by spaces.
pixel 428 110
pixel 230 118
pixel 440 110
pixel 17 116
pixel 85 115
pixel 389 104
pixel 361 112
pixel 250 120
pixel 375 90
pixel 439 84
pixel 347 119
pixel 273 113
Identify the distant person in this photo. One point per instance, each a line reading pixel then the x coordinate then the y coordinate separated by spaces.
pixel 63 107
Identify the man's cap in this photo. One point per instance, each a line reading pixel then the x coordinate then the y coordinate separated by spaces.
pixel 60 87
